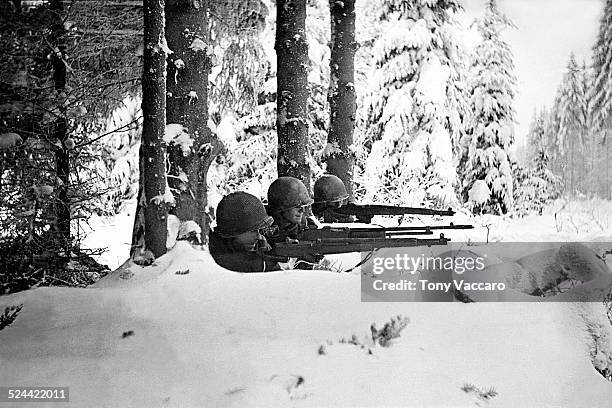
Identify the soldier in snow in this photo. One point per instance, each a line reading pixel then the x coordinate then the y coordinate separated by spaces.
pixel 329 195
pixel 238 242
pixel 289 205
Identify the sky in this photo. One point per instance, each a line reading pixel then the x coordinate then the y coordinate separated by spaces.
pixel 547 32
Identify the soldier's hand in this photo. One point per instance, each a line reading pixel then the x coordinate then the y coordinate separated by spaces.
pixel 365 218
pixel 312 258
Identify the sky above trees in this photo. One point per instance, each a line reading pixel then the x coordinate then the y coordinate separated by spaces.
pixel 548 31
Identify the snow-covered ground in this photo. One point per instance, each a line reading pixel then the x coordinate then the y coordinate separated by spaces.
pixel 186 333
pixel 160 337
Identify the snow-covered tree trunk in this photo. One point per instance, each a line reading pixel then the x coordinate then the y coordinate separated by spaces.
pixel 191 151
pixel 342 99
pixel 62 153
pixel 292 84
pixel 150 226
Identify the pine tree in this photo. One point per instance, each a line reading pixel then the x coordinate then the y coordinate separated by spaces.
pixel 601 91
pixel 340 160
pixel 601 94
pixel 187 107
pixel 292 96
pixel 490 130
pixel 572 112
pixel 412 121
pixel 536 136
pixel 153 197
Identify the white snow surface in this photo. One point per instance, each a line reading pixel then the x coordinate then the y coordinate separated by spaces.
pixel 178 134
pixel 214 338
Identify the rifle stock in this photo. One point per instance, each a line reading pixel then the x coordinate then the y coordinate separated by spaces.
pixel 369 210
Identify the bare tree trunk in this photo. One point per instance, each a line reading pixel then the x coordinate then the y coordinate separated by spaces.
pixel 187 104
pixel 342 99
pixel 152 209
pixel 292 96
pixel 62 154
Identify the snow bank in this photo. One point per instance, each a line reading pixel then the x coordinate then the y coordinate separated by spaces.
pixel 215 338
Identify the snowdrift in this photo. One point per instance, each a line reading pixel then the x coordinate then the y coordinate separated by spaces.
pixel 187 333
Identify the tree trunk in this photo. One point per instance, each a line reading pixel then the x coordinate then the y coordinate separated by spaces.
pixel 292 96
pixel 607 166
pixel 187 104
pixel 152 209
pixel 342 99
pixel 62 154
pixel 572 164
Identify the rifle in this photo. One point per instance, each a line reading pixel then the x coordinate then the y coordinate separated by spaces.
pixel 302 248
pixel 365 212
pixel 328 232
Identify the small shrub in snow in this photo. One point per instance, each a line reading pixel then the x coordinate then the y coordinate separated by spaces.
pixel 482 395
pixel 9 315
pixel 127 334
pixel 535 187
pixel 353 341
pixel 390 331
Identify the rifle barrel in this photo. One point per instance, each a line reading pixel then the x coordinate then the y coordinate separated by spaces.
pixel 376 209
pixel 372 232
pixel 346 245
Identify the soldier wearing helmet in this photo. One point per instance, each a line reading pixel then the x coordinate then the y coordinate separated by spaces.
pixel 238 241
pixel 288 204
pixel 329 195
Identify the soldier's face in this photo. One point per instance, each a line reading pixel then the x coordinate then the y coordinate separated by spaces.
pixel 294 215
pixel 248 241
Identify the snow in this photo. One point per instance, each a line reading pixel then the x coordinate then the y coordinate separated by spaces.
pixel 432 81
pixel 166 198
pixel 179 63
pixel 8 140
pixel 211 337
pixel 114 234
pixel 331 149
pixel 177 134
pixel 198 45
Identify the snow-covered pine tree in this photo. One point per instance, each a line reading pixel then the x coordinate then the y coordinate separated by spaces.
pixel 601 91
pixel 572 111
pixel 535 185
pixel 536 136
pixel 412 119
pixel 490 130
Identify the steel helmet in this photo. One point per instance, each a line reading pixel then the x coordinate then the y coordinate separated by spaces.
pixel 329 188
pixel 241 212
pixel 287 192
